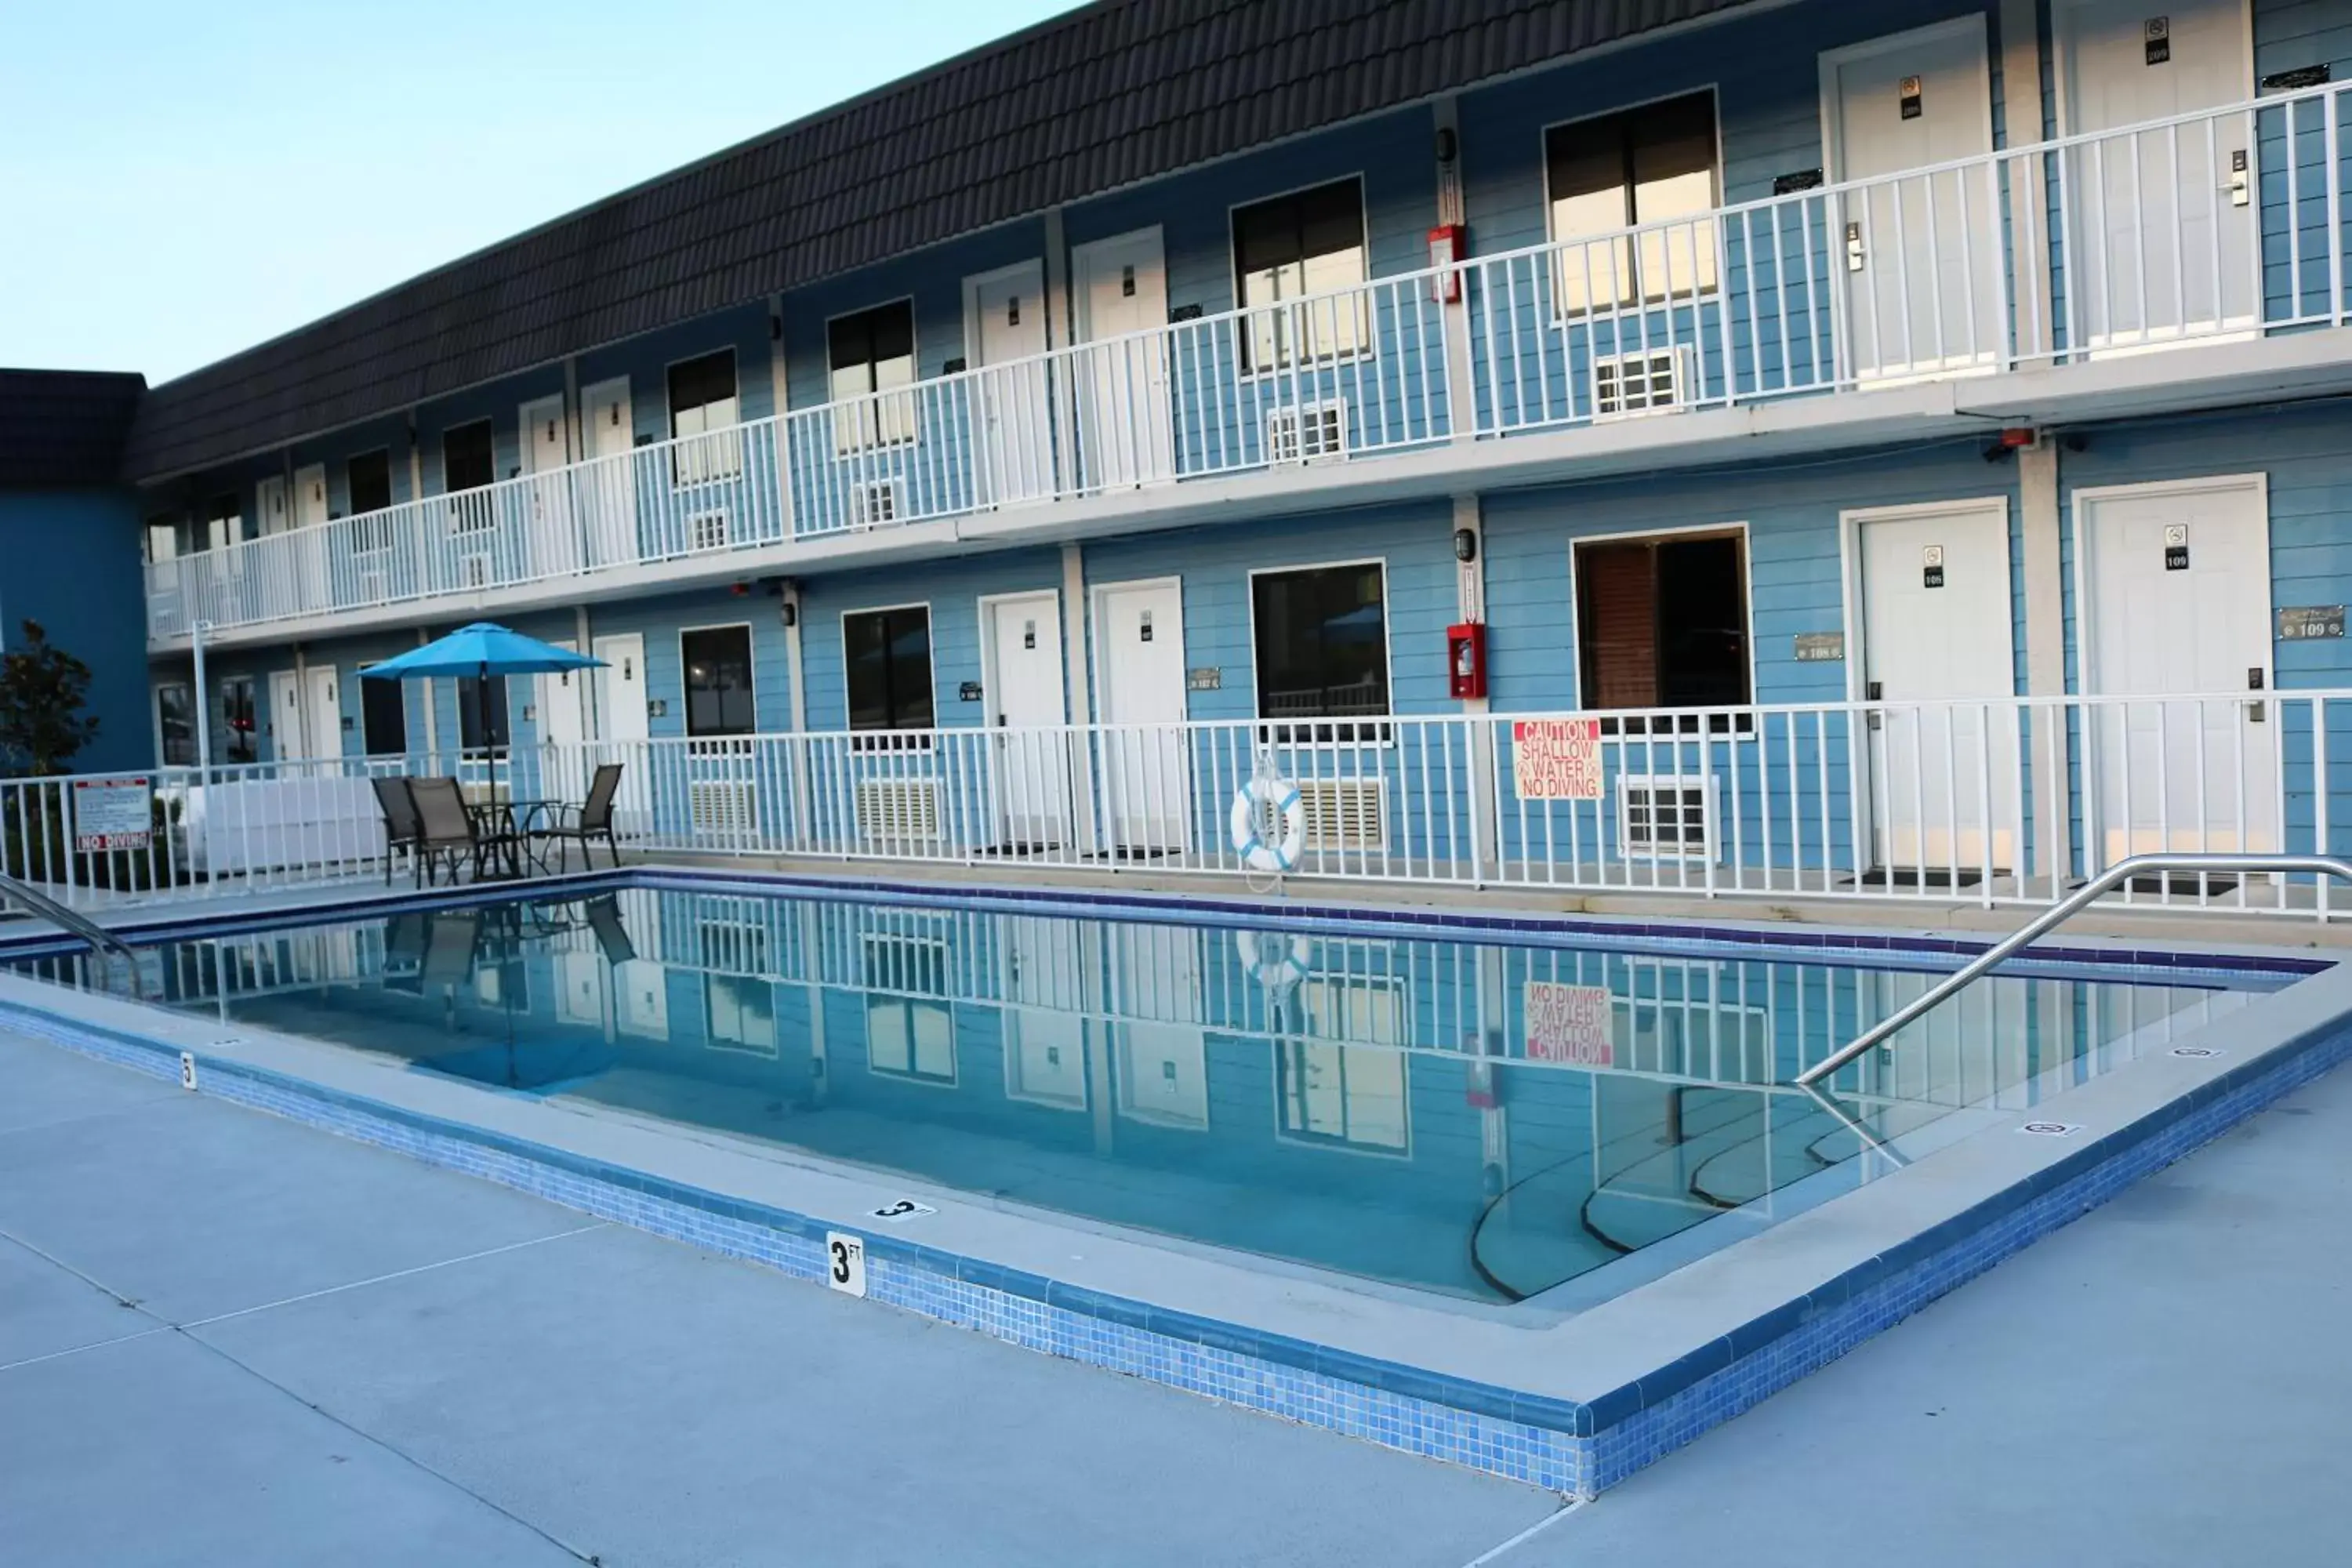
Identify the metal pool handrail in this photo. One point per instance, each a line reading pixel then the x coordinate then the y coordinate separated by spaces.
pixel 101 940
pixel 2050 918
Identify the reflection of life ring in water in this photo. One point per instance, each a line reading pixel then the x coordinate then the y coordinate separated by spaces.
pixel 1242 825
pixel 1270 964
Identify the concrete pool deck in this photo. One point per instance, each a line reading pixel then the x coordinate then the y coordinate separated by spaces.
pixel 227 1338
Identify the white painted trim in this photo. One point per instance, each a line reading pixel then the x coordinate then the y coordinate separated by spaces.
pixel 2087 612
pixel 2062 14
pixel 930 659
pixel 155 690
pixel 987 605
pixel 1388 645
pixel 685 700
pixel 1747 596
pixel 971 286
pixel 1081 272
pixel 1969 26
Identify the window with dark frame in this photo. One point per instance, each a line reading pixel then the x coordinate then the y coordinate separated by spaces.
pixel 718 662
pixel 481 713
pixel 1286 248
pixel 869 363
pixel 368 478
pixel 468 459
pixel 1322 650
pixel 1663 623
pixel 888 657
pixel 242 740
pixel 1640 166
pixel 384 717
pixel 175 724
pixel 703 402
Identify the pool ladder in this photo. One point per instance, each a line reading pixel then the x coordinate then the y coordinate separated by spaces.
pixel 103 943
pixel 2058 914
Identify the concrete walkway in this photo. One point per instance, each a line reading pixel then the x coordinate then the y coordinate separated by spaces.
pixel 228 1339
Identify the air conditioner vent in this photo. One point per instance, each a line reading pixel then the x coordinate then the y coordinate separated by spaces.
pixel 897 809
pixel 722 807
pixel 707 530
pixel 1306 431
pixel 874 503
pixel 1666 818
pixel 1650 382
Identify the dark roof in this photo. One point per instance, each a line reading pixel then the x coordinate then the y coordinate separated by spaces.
pixel 64 428
pixel 1113 93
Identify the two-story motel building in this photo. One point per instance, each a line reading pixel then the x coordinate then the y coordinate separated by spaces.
pixel 1192 360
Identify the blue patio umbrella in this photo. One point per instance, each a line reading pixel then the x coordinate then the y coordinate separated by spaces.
pixel 480 650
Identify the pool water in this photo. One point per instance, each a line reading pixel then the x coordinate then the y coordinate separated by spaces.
pixel 1489 1122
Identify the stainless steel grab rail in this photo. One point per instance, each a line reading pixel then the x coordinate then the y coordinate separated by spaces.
pixel 101 940
pixel 2049 920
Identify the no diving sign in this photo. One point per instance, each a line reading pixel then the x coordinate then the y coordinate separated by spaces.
pixel 114 814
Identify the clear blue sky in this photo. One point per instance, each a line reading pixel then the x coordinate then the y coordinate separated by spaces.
pixel 179 181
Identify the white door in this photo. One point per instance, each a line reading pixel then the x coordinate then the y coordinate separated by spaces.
pixel 554 545
pixel 618 693
pixel 607 486
pixel 1024 683
pixel 322 712
pixel 1159 1052
pixel 311 510
pixel 1922 253
pixel 1146 763
pixel 556 700
pixel 270 506
pixel 1127 434
pixel 1011 405
pixel 2167 250
pixel 2176 612
pixel 286 742
pixel 580 988
pixel 1044 1026
pixel 1936 627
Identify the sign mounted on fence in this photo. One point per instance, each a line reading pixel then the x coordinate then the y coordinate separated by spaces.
pixel 114 814
pixel 1568 1024
pixel 1555 759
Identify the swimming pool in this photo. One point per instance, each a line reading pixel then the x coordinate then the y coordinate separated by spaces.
pixel 1528 1118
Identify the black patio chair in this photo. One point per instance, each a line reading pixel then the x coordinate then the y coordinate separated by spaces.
pixel 588 822
pixel 452 937
pixel 612 936
pixel 451 835
pixel 402 826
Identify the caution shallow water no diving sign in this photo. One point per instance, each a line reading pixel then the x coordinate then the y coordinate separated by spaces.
pixel 1555 759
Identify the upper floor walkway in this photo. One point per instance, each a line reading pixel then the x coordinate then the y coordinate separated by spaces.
pixel 2020 284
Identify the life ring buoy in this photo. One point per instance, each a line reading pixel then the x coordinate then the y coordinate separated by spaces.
pixel 1242 825
pixel 1280 969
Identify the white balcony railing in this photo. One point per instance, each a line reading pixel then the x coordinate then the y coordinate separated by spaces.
pixel 1994 802
pixel 2220 224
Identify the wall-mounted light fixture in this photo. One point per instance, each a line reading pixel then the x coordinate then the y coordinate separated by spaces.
pixel 1466 544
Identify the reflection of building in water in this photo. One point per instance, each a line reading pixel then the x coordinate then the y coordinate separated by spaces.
pixel 1485 1120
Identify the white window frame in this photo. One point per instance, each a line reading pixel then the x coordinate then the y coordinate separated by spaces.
pixel 1367 348
pixel 930 658
pixel 1743 731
